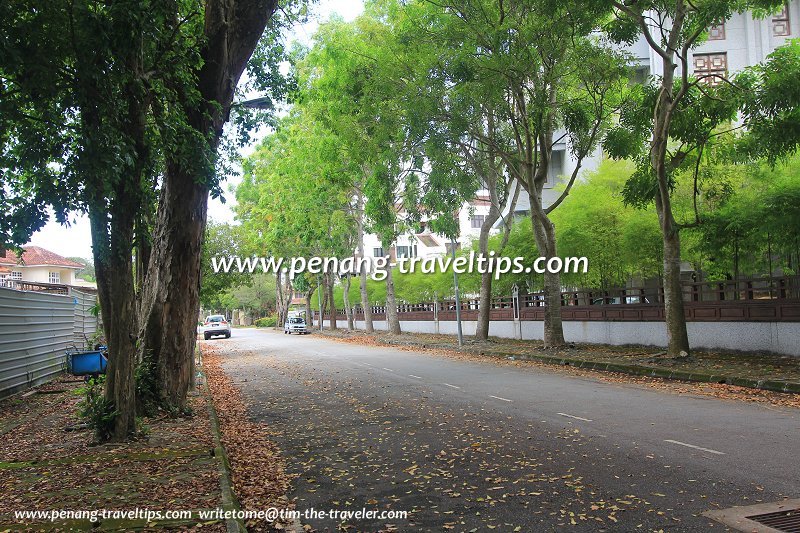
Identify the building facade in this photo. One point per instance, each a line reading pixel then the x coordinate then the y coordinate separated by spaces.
pixel 38 265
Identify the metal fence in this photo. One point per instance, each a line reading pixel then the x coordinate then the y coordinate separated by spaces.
pixel 85 323
pixel 36 326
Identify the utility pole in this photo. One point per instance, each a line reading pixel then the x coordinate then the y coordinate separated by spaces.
pixel 458 297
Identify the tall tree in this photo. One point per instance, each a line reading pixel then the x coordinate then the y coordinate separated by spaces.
pixel 93 87
pixel 670 110
pixel 293 201
pixel 231 34
pixel 547 79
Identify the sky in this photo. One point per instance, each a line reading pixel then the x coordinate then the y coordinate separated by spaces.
pixel 75 240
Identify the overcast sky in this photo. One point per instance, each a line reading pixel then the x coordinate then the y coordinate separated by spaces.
pixel 76 241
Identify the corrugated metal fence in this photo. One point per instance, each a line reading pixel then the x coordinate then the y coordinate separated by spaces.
pixel 35 329
pixel 85 324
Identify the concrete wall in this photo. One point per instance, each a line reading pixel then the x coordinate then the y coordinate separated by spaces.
pixel 781 337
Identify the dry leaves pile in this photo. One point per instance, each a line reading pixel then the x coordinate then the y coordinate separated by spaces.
pixel 47 461
pixel 258 471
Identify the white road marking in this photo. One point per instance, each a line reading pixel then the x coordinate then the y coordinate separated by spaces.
pixel 695 447
pixel 451 386
pixel 575 417
pixel 389 369
pixel 413 376
pixel 499 398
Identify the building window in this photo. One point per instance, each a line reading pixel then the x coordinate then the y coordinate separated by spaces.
pixel 377 252
pixel 711 69
pixel 556 167
pixel 16 274
pixel 405 252
pixel 780 23
pixel 54 277
pixel 477 220
pixel 716 32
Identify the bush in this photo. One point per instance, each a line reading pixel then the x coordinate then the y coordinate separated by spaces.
pixel 266 322
pixel 95 410
pixel 147 398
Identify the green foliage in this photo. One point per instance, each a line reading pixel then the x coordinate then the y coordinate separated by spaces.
pixel 266 322
pixel 87 272
pixel 754 230
pixel 98 412
pixel 221 241
pixel 147 394
pixel 257 295
pixel 771 105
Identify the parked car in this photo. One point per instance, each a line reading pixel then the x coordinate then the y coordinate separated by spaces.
pixel 295 324
pixel 216 325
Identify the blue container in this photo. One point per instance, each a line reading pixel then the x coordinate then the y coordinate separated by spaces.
pixel 87 363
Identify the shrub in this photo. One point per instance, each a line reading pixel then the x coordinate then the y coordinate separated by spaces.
pixel 266 322
pixel 147 398
pixel 95 410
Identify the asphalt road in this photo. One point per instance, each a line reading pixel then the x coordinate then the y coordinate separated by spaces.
pixel 472 446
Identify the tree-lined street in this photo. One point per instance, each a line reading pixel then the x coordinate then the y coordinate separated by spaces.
pixel 467 444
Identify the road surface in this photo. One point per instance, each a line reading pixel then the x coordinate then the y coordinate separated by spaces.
pixel 464 445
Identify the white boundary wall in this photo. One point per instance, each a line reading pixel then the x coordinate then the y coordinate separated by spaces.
pixel 777 337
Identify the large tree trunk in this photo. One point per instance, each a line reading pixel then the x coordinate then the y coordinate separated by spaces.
pixel 112 221
pixel 171 300
pixel 116 293
pixel 391 304
pixel 347 309
pixel 362 275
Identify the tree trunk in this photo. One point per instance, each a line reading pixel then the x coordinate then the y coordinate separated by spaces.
pixel 485 298
pixel 115 288
pixel 171 299
pixel 391 304
pixel 309 313
pixel 323 302
pixel 674 312
pixel 347 309
pixel 112 221
pixel 362 275
pixel 287 301
pixel 279 301
pixel 675 315
pixel 332 302
pixel 544 233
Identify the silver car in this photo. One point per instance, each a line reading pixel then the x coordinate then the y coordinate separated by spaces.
pixel 216 325
pixel 295 324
